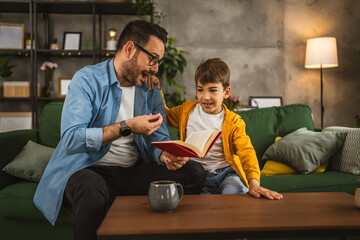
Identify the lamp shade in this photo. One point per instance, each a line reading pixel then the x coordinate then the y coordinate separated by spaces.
pixel 321 52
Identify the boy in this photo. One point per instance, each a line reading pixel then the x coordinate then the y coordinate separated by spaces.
pixel 226 173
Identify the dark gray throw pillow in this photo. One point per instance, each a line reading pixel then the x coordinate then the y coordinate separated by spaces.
pixel 31 162
pixel 305 150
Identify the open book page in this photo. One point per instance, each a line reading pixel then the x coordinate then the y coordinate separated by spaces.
pixel 199 139
pixel 190 148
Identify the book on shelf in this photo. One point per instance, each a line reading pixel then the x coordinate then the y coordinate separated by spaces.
pixel 196 145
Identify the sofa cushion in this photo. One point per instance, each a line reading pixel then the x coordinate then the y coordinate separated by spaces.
pixel 263 125
pixel 11 144
pixel 348 158
pixel 272 168
pixel 49 130
pixel 31 162
pixel 305 150
pixel 17 202
pixel 328 181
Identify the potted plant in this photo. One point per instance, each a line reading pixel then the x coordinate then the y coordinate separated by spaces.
pixel 174 63
pixel 5 71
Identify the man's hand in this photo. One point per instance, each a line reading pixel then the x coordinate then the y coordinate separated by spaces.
pixel 172 162
pixel 146 124
pixel 152 81
pixel 256 191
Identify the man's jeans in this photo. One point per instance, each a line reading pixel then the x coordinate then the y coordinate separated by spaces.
pixel 224 181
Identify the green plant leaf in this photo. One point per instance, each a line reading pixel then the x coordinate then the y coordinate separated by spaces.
pixel 183 60
pixel 5 68
pixel 184 52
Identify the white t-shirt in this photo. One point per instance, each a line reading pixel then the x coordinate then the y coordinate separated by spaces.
pixel 123 151
pixel 200 120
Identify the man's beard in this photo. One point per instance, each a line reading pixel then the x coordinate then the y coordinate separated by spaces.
pixel 132 73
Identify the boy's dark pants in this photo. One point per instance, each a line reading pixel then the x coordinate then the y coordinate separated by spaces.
pixel 91 191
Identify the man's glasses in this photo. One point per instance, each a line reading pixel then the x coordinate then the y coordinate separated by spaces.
pixel 153 60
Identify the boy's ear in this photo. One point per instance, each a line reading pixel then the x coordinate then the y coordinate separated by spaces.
pixel 227 92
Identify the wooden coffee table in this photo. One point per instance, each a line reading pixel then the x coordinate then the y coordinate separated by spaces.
pixel 227 216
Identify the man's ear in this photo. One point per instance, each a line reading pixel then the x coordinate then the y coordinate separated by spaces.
pixel 227 92
pixel 129 49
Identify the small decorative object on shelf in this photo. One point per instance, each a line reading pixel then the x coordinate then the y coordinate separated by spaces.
pixel 87 45
pixel 54 45
pixel 49 68
pixel 16 89
pixel 72 41
pixel 28 42
pixel 12 36
pixel 64 83
pixel 111 44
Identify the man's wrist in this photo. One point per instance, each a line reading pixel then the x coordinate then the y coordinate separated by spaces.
pixel 125 130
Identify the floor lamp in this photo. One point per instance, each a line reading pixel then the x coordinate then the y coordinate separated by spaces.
pixel 321 53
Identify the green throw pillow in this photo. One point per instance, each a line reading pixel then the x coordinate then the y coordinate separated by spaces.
pixel 305 150
pixel 31 162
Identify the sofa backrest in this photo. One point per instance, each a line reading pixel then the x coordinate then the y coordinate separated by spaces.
pixel 263 125
pixel 49 130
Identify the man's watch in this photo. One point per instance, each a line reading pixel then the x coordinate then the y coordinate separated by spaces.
pixel 124 129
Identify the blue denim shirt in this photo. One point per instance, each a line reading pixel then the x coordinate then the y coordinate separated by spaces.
pixel 92 102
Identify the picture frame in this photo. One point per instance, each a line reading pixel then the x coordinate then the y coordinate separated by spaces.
pixel 63 86
pixel 261 102
pixel 11 35
pixel 72 41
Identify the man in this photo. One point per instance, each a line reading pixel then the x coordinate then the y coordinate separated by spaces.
pixel 102 152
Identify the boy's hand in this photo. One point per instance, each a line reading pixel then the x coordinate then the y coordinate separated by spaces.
pixel 152 81
pixel 256 191
pixel 173 162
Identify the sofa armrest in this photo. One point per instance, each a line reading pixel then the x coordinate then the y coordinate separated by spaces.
pixel 11 144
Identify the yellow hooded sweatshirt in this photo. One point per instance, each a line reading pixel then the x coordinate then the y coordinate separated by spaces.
pixel 245 163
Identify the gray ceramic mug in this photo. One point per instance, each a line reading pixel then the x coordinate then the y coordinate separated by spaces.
pixel 164 195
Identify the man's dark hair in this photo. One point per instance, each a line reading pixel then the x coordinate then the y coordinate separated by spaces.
pixel 139 31
pixel 213 70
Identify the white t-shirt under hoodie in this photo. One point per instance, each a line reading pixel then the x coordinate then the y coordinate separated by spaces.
pixel 200 120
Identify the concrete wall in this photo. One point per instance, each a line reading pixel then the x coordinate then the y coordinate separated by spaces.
pixel 264 41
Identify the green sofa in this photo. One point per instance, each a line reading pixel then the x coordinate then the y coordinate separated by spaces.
pixel 20 219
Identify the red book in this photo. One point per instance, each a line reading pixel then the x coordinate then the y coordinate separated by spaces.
pixel 196 145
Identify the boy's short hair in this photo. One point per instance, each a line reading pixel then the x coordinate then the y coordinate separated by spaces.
pixel 140 31
pixel 213 70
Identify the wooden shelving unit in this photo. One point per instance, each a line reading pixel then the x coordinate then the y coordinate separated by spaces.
pixel 33 8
